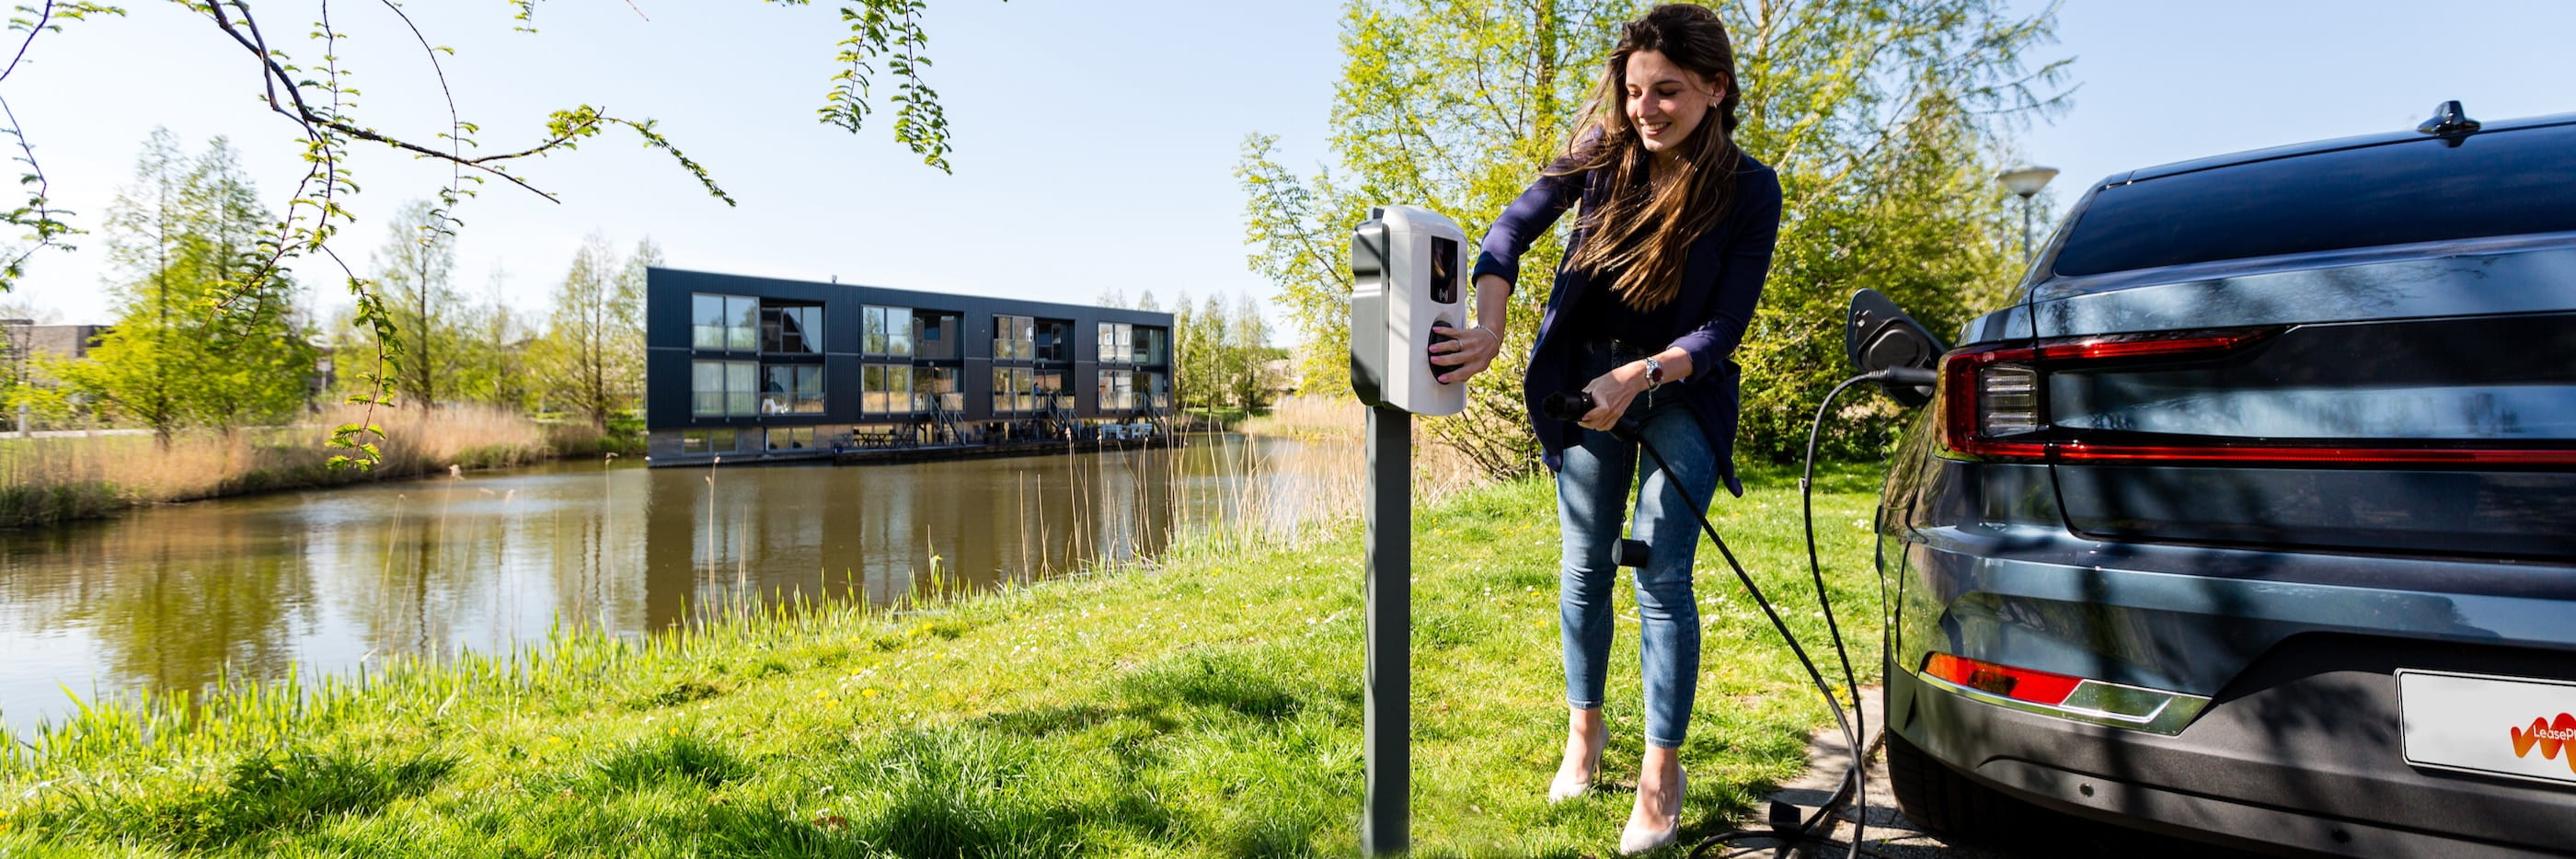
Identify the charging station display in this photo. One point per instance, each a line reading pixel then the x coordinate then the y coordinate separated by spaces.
pixel 1406 264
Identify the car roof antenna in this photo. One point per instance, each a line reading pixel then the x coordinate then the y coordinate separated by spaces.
pixel 2450 122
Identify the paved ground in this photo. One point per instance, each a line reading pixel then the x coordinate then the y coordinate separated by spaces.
pixel 1891 835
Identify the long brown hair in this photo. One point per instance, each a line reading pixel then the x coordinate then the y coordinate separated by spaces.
pixel 1639 237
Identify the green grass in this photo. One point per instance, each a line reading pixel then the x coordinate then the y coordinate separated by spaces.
pixel 1208 706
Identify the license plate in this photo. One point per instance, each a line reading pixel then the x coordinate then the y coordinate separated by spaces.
pixel 2509 726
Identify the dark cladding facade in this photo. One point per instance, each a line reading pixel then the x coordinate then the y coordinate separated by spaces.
pixel 750 367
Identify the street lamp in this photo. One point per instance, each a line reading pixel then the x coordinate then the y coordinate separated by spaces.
pixel 2025 181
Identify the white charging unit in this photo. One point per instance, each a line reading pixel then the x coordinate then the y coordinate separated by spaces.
pixel 1409 271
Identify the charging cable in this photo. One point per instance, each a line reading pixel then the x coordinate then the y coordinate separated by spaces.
pixel 1785 825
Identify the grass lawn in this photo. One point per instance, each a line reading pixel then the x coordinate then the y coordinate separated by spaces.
pixel 1209 706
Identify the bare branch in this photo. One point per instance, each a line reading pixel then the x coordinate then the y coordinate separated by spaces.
pixel 41 19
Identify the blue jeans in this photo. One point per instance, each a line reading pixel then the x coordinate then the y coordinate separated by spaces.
pixel 1591 499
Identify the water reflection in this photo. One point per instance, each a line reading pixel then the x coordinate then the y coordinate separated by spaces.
pixel 176 597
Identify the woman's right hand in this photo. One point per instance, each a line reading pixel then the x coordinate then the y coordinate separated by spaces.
pixel 1467 353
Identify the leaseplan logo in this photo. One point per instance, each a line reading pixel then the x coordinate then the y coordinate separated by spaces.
pixel 2551 737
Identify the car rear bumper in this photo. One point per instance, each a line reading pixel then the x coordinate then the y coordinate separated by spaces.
pixel 2302 753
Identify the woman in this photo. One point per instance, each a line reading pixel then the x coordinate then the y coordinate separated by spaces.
pixel 1659 282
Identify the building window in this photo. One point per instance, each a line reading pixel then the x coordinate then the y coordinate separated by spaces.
pixel 1054 340
pixel 703 441
pixel 885 389
pixel 791 438
pixel 936 387
pixel 1152 391
pixel 1014 338
pixel 791 389
pixel 793 330
pixel 938 336
pixel 723 322
pixel 1014 390
pixel 1117 343
pixel 1117 390
pixel 889 331
pixel 1151 344
pixel 723 388
pixel 1050 390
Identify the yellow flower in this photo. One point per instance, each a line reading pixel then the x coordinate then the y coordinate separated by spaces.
pixel 869 692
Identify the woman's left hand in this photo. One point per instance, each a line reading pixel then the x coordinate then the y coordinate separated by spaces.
pixel 1611 392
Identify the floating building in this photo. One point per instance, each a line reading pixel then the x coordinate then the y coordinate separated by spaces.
pixel 752 368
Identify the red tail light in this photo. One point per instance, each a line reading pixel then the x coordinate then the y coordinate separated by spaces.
pixel 1995 402
pixel 2019 684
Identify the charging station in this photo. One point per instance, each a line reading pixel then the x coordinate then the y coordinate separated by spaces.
pixel 1406 268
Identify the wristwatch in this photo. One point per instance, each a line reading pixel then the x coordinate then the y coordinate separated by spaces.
pixel 1654 373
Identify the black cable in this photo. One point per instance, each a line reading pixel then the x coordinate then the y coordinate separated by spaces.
pixel 1859 775
pixel 1629 431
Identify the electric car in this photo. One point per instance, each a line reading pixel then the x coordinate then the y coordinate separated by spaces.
pixel 2252 517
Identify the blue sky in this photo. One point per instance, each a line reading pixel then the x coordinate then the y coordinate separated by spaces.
pixel 1096 141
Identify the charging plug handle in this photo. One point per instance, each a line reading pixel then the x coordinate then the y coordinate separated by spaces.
pixel 1571 406
pixel 1904 376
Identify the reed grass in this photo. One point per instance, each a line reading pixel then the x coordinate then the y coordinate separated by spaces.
pixel 49 480
pixel 1310 416
pixel 1206 702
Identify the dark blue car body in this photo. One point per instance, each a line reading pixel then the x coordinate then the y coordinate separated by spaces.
pixel 2256 434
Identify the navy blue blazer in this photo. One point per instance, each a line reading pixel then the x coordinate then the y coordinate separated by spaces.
pixel 1721 281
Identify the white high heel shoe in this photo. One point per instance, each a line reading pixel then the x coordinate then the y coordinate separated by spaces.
pixel 1563 788
pixel 1633 840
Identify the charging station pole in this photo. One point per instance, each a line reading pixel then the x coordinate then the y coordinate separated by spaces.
pixel 1389 716
pixel 1406 266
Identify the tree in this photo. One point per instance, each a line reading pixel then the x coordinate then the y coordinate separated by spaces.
pixel 1218 359
pixel 591 358
pixel 1884 119
pixel 880 37
pixel 1247 348
pixel 494 354
pixel 415 273
pixel 177 356
pixel 1185 346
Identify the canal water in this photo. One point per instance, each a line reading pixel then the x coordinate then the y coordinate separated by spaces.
pixel 175 597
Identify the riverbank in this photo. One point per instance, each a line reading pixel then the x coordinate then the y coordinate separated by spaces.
pixel 1206 705
pixel 44 481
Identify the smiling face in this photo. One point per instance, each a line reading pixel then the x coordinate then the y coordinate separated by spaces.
pixel 1666 102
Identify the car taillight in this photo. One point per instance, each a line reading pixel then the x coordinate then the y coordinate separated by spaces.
pixel 2064 696
pixel 2019 684
pixel 1997 398
pixel 1995 407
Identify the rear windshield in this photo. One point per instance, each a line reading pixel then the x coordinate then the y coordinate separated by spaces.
pixel 2500 183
